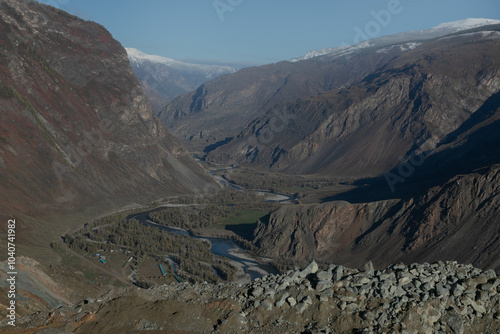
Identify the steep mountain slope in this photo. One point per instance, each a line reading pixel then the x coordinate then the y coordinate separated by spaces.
pixel 164 78
pixel 456 221
pixel 76 130
pixel 407 106
pixel 223 107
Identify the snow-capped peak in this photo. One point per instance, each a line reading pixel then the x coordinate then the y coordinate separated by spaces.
pixel 465 24
pixel 435 32
pixel 138 58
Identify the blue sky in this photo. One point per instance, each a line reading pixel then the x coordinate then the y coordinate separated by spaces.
pixel 261 31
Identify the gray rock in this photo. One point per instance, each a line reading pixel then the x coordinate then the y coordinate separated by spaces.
pixel 480 309
pixel 399 292
pixel 404 280
pixel 454 321
pixel 301 307
pixel 490 274
pixel 382 319
pixel 487 287
pixel 307 300
pixel 352 307
pixel 441 290
pixel 483 295
pixel 291 301
pixel 266 304
pixel 323 285
pixel 368 316
pixel 257 292
pixel 324 297
pixel 282 300
pixel 360 280
pixel 324 275
pixel 384 293
pixel 347 298
pixel 368 268
pixel 457 290
pixel 312 268
pixel 338 273
pixel 430 315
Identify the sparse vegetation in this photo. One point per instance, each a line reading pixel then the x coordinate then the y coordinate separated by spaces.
pixel 277 182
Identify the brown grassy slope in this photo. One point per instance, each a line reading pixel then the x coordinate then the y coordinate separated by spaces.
pixel 76 129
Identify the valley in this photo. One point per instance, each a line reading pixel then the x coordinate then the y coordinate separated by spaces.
pixel 352 190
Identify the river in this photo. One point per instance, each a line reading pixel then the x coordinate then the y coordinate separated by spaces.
pixel 248 267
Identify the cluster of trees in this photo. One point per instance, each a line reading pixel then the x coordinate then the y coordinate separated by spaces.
pixel 276 182
pixel 225 270
pixel 245 199
pixel 225 203
pixel 192 256
pixel 200 271
pixel 144 240
pixel 189 217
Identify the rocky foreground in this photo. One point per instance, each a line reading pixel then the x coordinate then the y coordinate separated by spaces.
pixel 419 298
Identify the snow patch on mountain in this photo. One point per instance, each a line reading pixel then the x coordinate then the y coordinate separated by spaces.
pixel 403 47
pixel 435 32
pixel 138 58
pixel 465 24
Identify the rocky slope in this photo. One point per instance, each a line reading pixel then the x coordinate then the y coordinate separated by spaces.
pixel 408 106
pixel 443 297
pixel 223 107
pixel 454 221
pixel 77 131
pixel 272 116
pixel 164 79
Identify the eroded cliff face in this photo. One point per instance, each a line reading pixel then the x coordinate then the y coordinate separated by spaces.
pixel 226 106
pixel 411 103
pixel 455 221
pixel 317 231
pixel 76 129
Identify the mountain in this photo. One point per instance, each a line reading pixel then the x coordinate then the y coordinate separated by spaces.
pixel 223 107
pixel 412 36
pixel 163 78
pixel 457 220
pixel 409 104
pixel 78 136
pixel 226 107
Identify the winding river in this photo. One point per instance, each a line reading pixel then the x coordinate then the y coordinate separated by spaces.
pixel 249 268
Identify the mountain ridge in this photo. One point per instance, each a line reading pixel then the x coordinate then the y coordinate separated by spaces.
pixel 164 78
pixel 414 36
pixel 89 137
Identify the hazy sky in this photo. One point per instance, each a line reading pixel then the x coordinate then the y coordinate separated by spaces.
pixel 263 31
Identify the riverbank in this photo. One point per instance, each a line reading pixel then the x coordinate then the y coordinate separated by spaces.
pixel 248 266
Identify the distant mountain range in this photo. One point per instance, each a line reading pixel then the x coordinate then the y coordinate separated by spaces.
pixel 406 37
pixel 229 106
pixel 165 78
